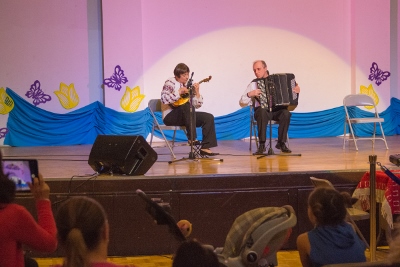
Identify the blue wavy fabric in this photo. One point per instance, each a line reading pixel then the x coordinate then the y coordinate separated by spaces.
pixel 32 126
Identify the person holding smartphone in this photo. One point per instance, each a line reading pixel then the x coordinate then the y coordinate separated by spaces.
pixel 19 228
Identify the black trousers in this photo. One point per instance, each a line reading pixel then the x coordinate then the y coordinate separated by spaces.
pixel 282 116
pixel 180 116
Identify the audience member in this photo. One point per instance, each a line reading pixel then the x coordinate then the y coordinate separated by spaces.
pixel 19 228
pixel 194 254
pixel 394 254
pixel 83 232
pixel 332 240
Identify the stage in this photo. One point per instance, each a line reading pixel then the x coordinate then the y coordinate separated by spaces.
pixel 208 193
pixel 317 154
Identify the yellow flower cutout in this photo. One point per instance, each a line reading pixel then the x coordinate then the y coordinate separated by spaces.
pixel 371 92
pixel 67 96
pixel 131 100
pixel 6 102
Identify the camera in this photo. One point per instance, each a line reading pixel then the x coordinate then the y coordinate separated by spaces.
pixel 21 172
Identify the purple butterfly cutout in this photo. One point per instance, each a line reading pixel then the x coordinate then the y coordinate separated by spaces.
pixel 3 132
pixel 37 94
pixel 116 79
pixel 377 74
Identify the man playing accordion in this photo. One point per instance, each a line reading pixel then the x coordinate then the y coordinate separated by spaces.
pixel 264 110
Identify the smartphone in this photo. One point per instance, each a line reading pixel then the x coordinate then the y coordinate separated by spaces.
pixel 21 172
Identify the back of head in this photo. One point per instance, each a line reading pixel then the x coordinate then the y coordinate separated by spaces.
pixel 80 223
pixel 194 254
pixel 7 187
pixel 328 205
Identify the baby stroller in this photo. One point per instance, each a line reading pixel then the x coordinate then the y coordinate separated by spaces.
pixel 253 240
pixel 256 236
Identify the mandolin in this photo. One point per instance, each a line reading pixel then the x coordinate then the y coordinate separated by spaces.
pixel 185 97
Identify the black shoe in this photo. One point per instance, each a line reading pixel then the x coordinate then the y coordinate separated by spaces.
pixel 282 146
pixel 205 153
pixel 261 149
pixel 278 145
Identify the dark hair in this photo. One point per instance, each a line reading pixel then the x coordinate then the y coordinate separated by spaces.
pixel 193 254
pixel 80 221
pixel 180 69
pixel 328 205
pixel 7 187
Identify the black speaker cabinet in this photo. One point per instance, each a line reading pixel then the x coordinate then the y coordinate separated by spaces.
pixel 395 159
pixel 121 154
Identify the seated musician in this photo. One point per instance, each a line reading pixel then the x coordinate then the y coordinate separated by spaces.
pixel 175 106
pixel 281 114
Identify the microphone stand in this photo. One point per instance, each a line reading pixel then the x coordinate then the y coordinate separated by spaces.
pixel 270 150
pixel 269 99
pixel 191 112
pixel 192 154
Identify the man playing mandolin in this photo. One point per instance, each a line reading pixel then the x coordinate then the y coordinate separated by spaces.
pixel 175 106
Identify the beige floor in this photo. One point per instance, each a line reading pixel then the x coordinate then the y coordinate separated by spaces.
pixel 288 258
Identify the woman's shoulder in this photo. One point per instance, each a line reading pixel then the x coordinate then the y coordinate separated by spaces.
pixel 13 207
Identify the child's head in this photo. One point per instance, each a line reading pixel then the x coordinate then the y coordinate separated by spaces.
pixel 194 254
pixel 327 206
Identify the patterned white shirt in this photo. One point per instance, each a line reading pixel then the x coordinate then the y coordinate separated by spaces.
pixel 170 94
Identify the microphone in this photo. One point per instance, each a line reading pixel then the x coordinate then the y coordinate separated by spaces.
pixel 189 83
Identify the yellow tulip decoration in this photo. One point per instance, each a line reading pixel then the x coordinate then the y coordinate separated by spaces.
pixel 67 96
pixel 131 99
pixel 371 92
pixel 6 102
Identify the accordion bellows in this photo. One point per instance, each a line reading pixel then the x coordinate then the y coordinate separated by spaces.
pixel 280 88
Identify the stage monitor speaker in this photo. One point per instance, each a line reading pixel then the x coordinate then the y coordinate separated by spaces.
pixel 121 154
pixel 395 159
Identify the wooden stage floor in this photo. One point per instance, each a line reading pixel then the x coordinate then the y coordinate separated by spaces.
pixel 309 155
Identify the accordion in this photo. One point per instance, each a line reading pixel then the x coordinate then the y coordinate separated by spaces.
pixel 279 88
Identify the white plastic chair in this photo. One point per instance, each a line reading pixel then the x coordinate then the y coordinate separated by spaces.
pixel 361 100
pixel 154 106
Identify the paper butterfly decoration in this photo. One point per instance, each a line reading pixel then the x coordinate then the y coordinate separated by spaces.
pixel 116 79
pixel 37 94
pixel 377 74
pixel 3 132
